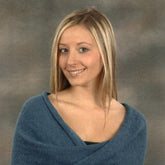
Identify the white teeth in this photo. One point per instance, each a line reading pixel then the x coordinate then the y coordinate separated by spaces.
pixel 76 72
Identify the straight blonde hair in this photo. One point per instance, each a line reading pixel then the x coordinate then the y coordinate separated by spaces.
pixel 101 29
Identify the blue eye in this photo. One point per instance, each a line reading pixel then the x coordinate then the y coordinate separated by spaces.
pixel 82 50
pixel 63 50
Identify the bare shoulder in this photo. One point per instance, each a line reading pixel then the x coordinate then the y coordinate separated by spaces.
pixel 118 109
pixel 60 100
pixel 60 96
pixel 117 105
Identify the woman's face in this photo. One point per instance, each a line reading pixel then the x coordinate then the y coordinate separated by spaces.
pixel 79 56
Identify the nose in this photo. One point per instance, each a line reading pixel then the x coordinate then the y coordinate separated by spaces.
pixel 71 58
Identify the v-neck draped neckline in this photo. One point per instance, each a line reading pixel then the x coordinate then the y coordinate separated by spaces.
pixel 76 139
pixel 42 137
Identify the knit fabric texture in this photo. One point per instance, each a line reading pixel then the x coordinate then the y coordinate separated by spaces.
pixel 43 138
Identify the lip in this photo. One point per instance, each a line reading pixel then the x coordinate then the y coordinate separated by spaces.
pixel 74 73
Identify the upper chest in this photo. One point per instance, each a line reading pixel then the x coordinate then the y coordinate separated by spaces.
pixel 89 123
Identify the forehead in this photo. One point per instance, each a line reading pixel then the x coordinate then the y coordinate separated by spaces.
pixel 77 33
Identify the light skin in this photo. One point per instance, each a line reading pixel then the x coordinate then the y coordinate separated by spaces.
pixel 79 105
pixel 80 61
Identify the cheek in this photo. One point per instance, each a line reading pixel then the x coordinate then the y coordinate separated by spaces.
pixel 94 61
pixel 61 62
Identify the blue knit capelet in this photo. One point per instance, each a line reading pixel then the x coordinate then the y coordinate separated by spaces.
pixel 43 138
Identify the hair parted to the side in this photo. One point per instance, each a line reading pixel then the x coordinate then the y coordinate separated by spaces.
pixel 101 29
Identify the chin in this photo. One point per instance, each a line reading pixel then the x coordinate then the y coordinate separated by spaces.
pixel 79 83
pixel 73 84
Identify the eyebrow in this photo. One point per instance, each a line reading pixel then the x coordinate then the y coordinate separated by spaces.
pixel 77 43
pixel 84 43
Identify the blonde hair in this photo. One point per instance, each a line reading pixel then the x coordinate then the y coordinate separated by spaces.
pixel 101 29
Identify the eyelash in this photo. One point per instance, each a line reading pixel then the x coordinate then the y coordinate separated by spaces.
pixel 84 50
pixel 65 50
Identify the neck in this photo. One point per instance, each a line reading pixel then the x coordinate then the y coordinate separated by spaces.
pixel 85 95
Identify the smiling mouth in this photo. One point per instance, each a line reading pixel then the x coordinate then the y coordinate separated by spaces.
pixel 74 73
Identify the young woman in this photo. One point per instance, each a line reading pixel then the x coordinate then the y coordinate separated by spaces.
pixel 80 122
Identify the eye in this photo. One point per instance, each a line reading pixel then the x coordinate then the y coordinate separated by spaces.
pixel 83 49
pixel 63 50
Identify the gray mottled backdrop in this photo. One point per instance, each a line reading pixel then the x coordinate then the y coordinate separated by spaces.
pixel 26 32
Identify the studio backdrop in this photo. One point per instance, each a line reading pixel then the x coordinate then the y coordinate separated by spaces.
pixel 26 32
